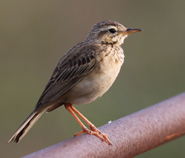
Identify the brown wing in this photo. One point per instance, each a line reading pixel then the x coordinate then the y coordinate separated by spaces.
pixel 72 67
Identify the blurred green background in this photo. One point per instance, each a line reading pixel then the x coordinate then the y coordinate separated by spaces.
pixel 36 34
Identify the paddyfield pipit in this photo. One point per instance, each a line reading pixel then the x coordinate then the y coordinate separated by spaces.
pixel 82 75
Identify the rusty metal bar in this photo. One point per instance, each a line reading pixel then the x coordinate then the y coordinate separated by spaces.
pixel 130 135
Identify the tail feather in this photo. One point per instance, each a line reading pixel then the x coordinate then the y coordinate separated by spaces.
pixel 26 126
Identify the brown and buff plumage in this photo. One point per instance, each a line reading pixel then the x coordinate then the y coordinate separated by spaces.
pixel 82 75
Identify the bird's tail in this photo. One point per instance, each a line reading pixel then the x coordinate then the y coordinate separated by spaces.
pixel 26 126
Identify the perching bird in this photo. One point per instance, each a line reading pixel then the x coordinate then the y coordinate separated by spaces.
pixel 82 75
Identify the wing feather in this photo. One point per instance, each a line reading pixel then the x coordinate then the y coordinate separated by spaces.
pixel 69 71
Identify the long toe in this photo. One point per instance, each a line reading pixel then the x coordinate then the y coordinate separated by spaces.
pixel 93 128
pixel 96 133
pixel 81 132
pixel 106 138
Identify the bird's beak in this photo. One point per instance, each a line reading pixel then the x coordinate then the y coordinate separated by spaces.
pixel 129 31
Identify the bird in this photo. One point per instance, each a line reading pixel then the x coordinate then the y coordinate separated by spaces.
pixel 82 75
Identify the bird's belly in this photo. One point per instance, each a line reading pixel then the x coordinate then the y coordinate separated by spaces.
pixel 95 84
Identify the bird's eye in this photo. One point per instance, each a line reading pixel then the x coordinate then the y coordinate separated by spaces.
pixel 112 30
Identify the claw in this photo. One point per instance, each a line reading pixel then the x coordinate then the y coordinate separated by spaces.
pixel 94 131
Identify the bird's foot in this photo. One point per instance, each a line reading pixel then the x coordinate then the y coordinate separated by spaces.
pixel 96 132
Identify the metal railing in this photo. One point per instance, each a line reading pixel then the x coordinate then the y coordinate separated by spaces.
pixel 130 135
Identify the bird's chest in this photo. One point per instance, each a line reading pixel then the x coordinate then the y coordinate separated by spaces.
pixel 108 69
pixel 96 83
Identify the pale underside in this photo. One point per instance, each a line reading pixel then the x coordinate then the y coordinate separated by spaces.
pixel 98 81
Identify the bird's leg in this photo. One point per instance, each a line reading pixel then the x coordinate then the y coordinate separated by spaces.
pixel 68 107
pixel 92 127
pixel 93 131
pixel 85 129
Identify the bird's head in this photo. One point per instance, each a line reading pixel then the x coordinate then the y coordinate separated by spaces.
pixel 109 32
